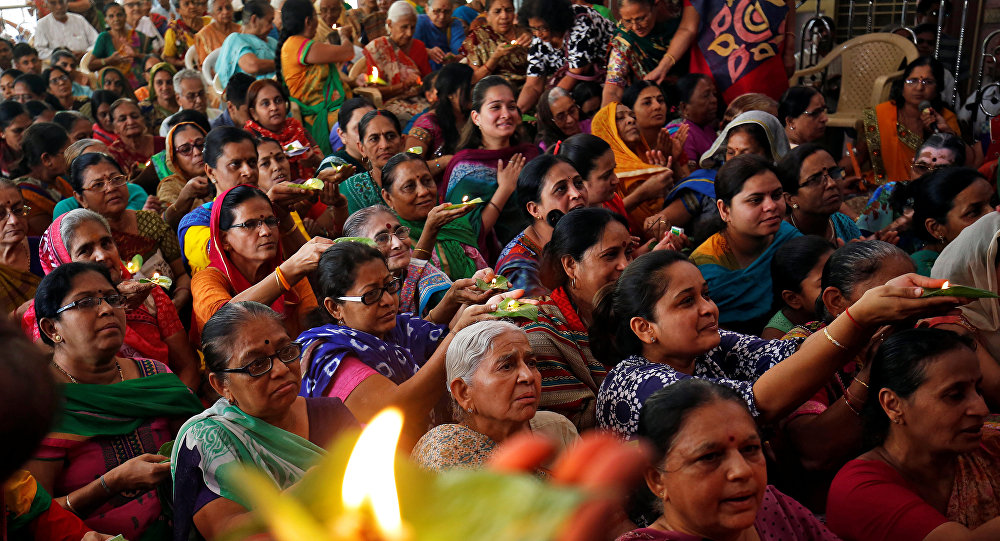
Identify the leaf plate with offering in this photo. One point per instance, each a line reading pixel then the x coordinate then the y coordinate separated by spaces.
pixel 964 292
pixel 516 308
pixel 498 282
pixel 465 202
pixel 311 184
pixel 362 240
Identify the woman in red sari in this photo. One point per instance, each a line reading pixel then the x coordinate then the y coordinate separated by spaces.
pixel 401 61
pixel 267 103
pixel 134 146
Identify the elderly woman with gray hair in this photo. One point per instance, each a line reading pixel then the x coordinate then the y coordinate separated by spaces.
pixel 495 387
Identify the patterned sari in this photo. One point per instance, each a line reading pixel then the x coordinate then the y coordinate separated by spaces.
pixel 179 36
pixel 632 56
pixel 16 287
pixel 367 26
pixel 423 288
pixel 42 197
pixel 396 66
pixel 105 47
pixel 211 36
pixel 891 146
pixel 291 131
pixel 316 88
pixel 480 43
pixel 155 242
pixel 172 179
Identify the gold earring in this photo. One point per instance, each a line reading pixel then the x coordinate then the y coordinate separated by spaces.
pixel 57 338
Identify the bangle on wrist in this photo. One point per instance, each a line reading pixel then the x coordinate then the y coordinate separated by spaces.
pixel 850 406
pixel 854 321
pixel 415 250
pixel 673 61
pixel 105 485
pixel 70 506
pixel 282 282
pixel 494 205
pixel 833 340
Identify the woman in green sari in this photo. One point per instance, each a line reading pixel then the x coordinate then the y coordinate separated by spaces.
pixel 259 420
pixel 640 45
pixel 101 460
pixel 440 236
pixel 379 138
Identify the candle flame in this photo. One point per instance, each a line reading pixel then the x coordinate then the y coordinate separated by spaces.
pixel 374 76
pixel 465 198
pixel 370 474
pixel 946 285
pixel 156 275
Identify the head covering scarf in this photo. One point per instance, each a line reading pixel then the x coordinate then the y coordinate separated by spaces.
pixel 971 260
pixel 166 162
pixel 219 260
pixel 630 168
pixel 776 138
pixel 128 93
pixel 152 87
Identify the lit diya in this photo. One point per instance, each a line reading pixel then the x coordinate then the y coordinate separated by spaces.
pixel 498 282
pixel 311 184
pixel 374 79
pixel 465 202
pixel 163 281
pixel 515 308
pixel 962 292
pixel 135 264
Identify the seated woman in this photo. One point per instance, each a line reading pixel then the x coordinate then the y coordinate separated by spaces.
pixel 736 262
pixel 250 50
pixel 14 120
pixel 121 47
pixel 547 188
pixel 267 105
pixel 895 129
pixel 672 333
pixel 153 329
pixel 181 172
pixel 100 105
pixel 401 61
pixel 309 69
pixel 243 342
pixel 213 34
pixel 644 46
pixel 646 100
pixel 444 237
pixel 570 44
pixel 180 34
pixel 928 405
pixel 65 59
pixel 100 186
pixel 110 78
pixel 496 45
pixel 558 118
pixel 348 117
pixel 438 130
pixel 802 111
pixel 424 286
pixel 594 159
pixel 495 387
pixel 100 461
pixel 366 22
pixel 61 88
pixel 809 176
pixel 699 111
pixel 42 186
pixel 379 138
pixel 162 100
pixel 77 126
pixel 17 282
pixel 634 163
pixel 682 493
pixel 936 152
pixel 369 354
pixel 135 145
pixel 796 271
pixel 137 197
pixel 944 203
pixel 489 159
pixel 246 262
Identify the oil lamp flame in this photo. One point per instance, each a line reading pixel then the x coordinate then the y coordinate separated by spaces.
pixel 374 75
pixel 465 198
pixel 946 285
pixel 370 474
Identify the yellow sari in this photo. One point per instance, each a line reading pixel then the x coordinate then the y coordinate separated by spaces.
pixel 631 170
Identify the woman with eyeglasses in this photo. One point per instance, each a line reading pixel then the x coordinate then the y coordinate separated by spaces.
pixel 246 261
pixel 61 88
pixel 802 110
pixel 894 129
pixel 17 282
pixel 809 176
pixel 558 118
pixel 135 145
pixel 181 172
pixel 643 46
pixel 101 462
pixel 371 355
pixel 254 365
pixel 267 103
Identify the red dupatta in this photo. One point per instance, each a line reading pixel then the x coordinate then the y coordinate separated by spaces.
pixel 291 130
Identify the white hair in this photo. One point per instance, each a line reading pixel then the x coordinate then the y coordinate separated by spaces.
pixel 73 219
pixel 400 9
pixel 186 74
pixel 470 345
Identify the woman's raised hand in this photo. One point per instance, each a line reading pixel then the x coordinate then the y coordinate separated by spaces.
pixel 441 215
pixel 197 187
pixel 285 196
pixel 305 260
pixel 143 472
pixel 153 203
pixel 900 299
pixel 135 292
pixel 507 176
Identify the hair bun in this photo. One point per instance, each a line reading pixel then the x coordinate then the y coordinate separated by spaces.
pixel 553 217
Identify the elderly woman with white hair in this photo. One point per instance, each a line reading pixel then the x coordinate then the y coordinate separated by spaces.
pixel 213 34
pixel 401 61
pixel 495 387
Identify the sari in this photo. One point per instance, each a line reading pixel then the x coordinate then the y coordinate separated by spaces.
pixel 172 179
pixel 630 168
pixel 396 66
pixel 519 263
pixel 128 158
pixel 361 191
pixel 480 43
pixel 155 242
pixel 891 146
pixel 455 251
pixel 291 131
pixel 743 294
pixel 211 36
pixel 16 287
pixel 697 193
pixel 235 46
pixel 105 47
pixel 473 172
pixel 631 56
pixel 179 36
pixel 155 113
pixel 193 235
pixel 30 513
pixel 366 26
pixel 316 88
pixel 102 427
pixel 214 445
pixel 424 287
pixel 405 349
pixel 41 196
pixel 741 46
pixel 776 138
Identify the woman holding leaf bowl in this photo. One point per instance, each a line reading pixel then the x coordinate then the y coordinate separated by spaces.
pixel 368 354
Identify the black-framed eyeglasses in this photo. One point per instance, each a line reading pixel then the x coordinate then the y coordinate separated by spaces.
pixel 922 82
pixel 833 173
pixel 115 300
pixel 539 29
pixel 254 223
pixel 187 148
pixel 402 232
pixel 262 365
pixel 372 296
pixel 22 211
pixel 817 111
pixel 921 168
pixel 112 182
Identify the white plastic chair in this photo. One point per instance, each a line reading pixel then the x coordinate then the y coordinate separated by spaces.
pixel 217 86
pixel 208 67
pixel 191 58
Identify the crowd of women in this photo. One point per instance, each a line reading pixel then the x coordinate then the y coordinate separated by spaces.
pixel 354 223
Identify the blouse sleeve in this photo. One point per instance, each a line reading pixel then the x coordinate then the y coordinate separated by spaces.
pixel 350 373
pixel 588 40
pixel 170 43
pixel 748 357
pixel 210 291
pixel 536 59
pixel 618 70
pixel 103 47
pixel 166 314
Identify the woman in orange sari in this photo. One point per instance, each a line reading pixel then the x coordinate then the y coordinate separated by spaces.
pixel 635 164
pixel 401 61
pixel 895 129
pixel 213 34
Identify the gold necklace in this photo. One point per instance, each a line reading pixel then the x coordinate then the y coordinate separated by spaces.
pixel 74 380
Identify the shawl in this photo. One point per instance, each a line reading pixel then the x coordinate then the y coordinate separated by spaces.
pixel 398 357
pixel 742 294
pixel 481 41
pixel 641 54
pixel 291 130
pixel 450 245
pixel 423 288
pixel 740 45
pixel 219 260
pixel 631 169
pixel 152 88
pixel 891 146
pixel 971 260
pixel 482 156
pixel 128 93
pixel 16 288
pixel 776 138
pixel 226 439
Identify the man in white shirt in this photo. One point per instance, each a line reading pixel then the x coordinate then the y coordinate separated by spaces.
pixel 190 90
pixel 63 29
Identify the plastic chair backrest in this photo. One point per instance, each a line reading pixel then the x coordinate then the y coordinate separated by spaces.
pixel 191 58
pixel 208 67
pixel 866 58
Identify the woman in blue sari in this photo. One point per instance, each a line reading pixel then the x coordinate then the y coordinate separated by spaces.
pixel 736 262
pixel 809 175
pixel 250 51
